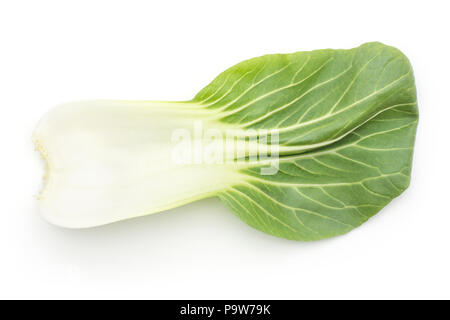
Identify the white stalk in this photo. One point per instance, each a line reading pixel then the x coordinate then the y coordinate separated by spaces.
pixel 112 160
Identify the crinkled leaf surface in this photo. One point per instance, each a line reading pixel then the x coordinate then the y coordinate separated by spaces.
pixel 346 121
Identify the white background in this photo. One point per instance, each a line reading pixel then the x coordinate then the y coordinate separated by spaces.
pixel 57 51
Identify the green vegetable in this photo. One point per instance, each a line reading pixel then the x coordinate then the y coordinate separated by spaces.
pixel 302 146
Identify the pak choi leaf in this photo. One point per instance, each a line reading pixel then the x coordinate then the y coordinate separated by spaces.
pixel 338 127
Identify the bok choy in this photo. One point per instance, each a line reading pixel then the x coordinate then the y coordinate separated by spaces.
pixel 303 146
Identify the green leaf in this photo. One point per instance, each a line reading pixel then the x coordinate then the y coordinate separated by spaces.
pixel 345 122
pixel 356 110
